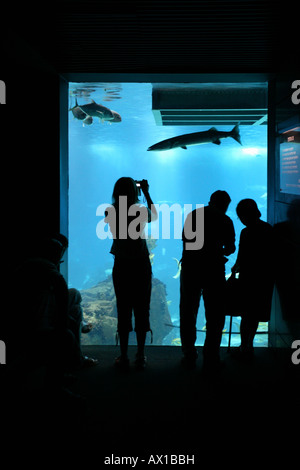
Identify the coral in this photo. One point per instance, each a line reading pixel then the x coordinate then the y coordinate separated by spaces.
pixel 99 308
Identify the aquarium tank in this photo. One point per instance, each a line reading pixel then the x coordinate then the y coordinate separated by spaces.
pixel 111 127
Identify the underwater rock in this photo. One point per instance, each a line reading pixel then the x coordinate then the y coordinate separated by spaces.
pixel 100 309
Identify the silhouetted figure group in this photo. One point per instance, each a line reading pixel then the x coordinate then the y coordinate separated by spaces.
pixel 51 337
pixel 202 272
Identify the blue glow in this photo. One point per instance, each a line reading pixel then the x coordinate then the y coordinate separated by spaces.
pixel 101 153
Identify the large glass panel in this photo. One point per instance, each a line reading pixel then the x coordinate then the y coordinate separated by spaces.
pixel 102 150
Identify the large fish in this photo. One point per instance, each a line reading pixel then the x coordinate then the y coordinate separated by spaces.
pixel 77 112
pixel 116 117
pixel 196 138
pixel 97 110
pixel 87 121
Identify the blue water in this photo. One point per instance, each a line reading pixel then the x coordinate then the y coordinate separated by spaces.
pixel 101 153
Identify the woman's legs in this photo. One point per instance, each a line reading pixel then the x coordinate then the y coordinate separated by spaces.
pixel 123 336
pixel 141 339
pixel 124 307
pixel 142 309
pixel 248 330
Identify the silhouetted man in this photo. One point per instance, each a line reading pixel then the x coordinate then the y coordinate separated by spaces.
pixel 203 273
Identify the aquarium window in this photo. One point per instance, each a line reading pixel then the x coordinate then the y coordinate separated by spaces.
pixel 112 140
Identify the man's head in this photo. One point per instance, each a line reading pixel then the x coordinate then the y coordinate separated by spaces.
pixel 220 200
pixel 248 211
pixel 53 248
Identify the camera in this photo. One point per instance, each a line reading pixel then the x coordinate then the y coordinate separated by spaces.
pixel 138 185
pixel 141 185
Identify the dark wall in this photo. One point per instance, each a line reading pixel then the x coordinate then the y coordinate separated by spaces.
pixel 284 214
pixel 30 148
pixel 30 151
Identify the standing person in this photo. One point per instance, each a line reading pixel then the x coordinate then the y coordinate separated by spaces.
pixel 132 268
pixel 255 265
pixel 203 273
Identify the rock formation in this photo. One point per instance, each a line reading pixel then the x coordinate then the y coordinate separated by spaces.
pixel 99 308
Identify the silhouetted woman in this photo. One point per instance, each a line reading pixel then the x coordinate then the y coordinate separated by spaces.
pixel 132 268
pixel 255 264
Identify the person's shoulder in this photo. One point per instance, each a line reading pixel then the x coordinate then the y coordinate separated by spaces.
pixel 264 227
pixel 227 220
pixel 39 263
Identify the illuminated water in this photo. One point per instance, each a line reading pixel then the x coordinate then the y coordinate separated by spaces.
pixel 101 153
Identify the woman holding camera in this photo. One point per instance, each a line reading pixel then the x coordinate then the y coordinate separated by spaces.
pixel 132 274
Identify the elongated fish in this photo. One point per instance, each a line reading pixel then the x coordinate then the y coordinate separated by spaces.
pixel 196 138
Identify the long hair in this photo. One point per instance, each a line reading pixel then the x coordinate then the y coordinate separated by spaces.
pixel 125 186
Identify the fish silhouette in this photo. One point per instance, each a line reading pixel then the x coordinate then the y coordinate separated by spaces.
pixel 97 110
pixel 196 138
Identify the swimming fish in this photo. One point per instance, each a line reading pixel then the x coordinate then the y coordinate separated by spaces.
pixel 176 342
pixel 80 115
pixel 196 138
pixel 87 121
pixel 108 272
pixel 262 326
pixel 116 117
pixel 97 110
pixel 179 269
pixel 77 112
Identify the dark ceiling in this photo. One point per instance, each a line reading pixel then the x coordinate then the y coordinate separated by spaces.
pixel 157 36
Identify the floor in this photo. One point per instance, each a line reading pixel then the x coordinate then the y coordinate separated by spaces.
pixel 164 409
